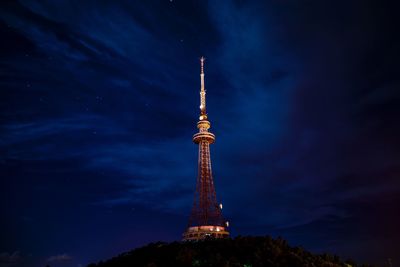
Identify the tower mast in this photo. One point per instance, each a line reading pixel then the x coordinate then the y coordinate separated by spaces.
pixel 206 217
pixel 202 91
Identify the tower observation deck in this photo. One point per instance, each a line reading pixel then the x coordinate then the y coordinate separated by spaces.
pixel 206 219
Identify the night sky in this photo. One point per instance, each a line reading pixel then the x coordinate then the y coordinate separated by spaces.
pixel 99 101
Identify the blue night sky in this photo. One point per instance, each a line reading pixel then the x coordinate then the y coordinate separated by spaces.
pixel 99 101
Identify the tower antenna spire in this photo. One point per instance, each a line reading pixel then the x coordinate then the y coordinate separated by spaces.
pixel 203 114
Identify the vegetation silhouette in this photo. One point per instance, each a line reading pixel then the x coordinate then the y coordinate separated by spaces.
pixel 240 251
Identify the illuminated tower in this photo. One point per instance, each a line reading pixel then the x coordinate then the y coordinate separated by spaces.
pixel 206 217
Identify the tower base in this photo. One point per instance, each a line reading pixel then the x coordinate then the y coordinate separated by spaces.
pixel 195 233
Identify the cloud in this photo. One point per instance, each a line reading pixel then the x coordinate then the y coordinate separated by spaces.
pixel 9 259
pixel 148 173
pixel 60 257
pixel 39 140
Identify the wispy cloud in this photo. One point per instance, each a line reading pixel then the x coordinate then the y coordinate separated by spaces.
pixel 151 172
pixel 10 259
pixel 59 258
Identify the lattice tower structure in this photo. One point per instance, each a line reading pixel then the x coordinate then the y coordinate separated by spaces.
pixel 206 220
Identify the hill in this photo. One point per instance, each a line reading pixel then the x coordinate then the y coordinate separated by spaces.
pixel 240 251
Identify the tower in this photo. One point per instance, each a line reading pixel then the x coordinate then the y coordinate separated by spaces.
pixel 206 217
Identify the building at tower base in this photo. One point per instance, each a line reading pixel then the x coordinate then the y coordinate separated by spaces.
pixel 203 232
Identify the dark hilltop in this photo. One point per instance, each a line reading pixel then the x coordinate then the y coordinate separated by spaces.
pixel 240 251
